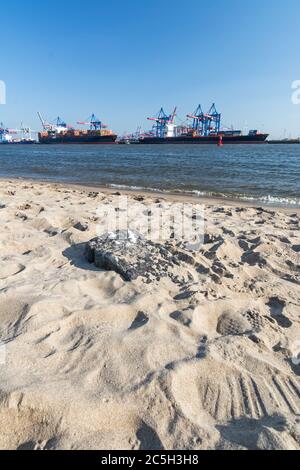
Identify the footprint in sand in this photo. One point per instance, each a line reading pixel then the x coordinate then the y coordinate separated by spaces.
pixel 277 306
pixel 232 324
pixel 181 317
pixel 10 269
pixel 233 382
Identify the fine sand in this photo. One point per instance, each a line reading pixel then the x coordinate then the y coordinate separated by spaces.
pixel 89 361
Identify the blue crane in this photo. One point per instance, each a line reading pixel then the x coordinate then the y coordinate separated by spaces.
pixel 94 123
pixel 161 121
pixel 205 124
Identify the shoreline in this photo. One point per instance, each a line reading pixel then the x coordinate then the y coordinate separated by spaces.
pixel 156 194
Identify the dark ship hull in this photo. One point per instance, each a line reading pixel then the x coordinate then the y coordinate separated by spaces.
pixel 212 139
pixel 81 138
pixel 285 141
pixel 19 142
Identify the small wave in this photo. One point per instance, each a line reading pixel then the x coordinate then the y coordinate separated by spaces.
pixel 268 199
pixel 136 188
pixel 277 200
pixel 274 200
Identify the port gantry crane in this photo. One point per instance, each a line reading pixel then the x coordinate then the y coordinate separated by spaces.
pixel 6 134
pixel 59 124
pixel 26 132
pixel 208 123
pixel 46 126
pixel 94 123
pixel 133 136
pixel 198 118
pixel 162 122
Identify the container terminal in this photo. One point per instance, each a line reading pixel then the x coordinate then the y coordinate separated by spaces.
pixel 199 128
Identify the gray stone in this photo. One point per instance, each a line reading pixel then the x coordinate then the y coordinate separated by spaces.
pixel 82 227
pixel 129 254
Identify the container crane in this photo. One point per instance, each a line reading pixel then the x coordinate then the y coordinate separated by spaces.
pixel 26 132
pixel 94 123
pixel 164 123
pixel 198 118
pixel 206 124
pixel 46 126
pixel 59 125
pixel 213 121
pixel 133 136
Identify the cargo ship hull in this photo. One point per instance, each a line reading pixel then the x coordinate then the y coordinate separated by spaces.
pixel 285 141
pixel 186 139
pixel 77 139
pixel 22 142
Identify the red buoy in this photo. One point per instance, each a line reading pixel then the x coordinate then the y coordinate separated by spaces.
pixel 220 143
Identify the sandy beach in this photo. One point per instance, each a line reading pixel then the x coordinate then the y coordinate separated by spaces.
pixel 205 359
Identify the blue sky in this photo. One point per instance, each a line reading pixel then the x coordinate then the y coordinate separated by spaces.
pixel 124 59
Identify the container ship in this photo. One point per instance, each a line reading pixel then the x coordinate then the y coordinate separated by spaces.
pixel 61 133
pixel 199 128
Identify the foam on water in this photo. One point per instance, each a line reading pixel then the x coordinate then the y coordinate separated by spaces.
pixel 271 200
